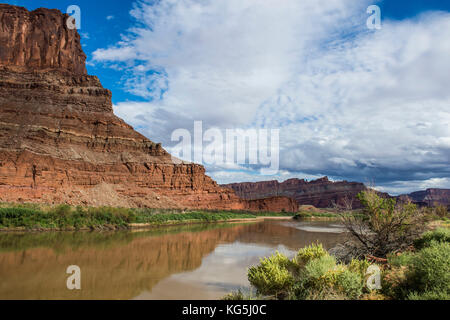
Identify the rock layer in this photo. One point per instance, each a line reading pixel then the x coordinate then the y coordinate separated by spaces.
pixel 429 197
pixel 60 141
pixel 274 204
pixel 321 193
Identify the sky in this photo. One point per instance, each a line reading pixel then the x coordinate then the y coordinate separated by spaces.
pixel 351 103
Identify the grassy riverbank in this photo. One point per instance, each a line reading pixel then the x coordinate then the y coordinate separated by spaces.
pixel 312 213
pixel 47 218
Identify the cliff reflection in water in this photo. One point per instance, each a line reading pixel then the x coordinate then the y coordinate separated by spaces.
pixel 127 265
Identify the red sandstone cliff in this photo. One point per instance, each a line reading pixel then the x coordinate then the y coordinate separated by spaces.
pixel 39 40
pixel 321 193
pixel 60 141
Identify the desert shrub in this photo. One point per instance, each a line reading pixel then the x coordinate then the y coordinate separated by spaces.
pixel 350 283
pixel 272 275
pixel 240 296
pixel 393 282
pixel 309 253
pixel 319 267
pixel 433 295
pixel 423 275
pixel 313 274
pixel 14 213
pixel 61 210
pixel 440 235
pixel 323 279
pixel 441 211
pixel 235 296
pixel 430 270
pixel 359 266
pixel 400 260
pixel 18 217
pixel 388 226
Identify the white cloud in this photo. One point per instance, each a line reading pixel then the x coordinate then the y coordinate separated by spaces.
pixel 109 17
pixel 405 187
pixel 351 103
pixel 226 177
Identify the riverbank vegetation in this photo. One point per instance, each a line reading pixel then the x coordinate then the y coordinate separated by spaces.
pixel 307 212
pixel 64 217
pixel 311 212
pixel 391 237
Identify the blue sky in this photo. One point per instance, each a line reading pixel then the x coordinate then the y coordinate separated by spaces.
pixel 352 103
pixel 99 32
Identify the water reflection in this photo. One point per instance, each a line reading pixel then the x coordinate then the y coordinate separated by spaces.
pixel 191 262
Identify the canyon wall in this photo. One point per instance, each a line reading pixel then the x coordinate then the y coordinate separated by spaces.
pixel 429 197
pixel 321 193
pixel 60 141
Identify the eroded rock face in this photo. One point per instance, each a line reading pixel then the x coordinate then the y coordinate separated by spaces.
pixel 39 40
pixel 60 141
pixel 273 204
pixel 321 193
pixel 429 197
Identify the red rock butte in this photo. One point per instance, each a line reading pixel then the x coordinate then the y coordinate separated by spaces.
pixel 60 141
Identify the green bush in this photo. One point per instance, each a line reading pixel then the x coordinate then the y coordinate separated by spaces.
pixel 430 270
pixel 441 211
pixel 434 295
pixel 312 274
pixel 235 296
pixel 316 280
pixel 305 255
pixel 359 266
pixel 18 217
pixel 350 284
pixel 61 210
pixel 440 235
pixel 323 279
pixel 400 260
pixel 240 296
pixel 272 276
pixel 317 268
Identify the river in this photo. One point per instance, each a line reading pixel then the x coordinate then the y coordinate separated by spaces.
pixel 184 262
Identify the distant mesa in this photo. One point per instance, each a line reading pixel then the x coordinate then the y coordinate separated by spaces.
pixel 321 193
pixel 429 197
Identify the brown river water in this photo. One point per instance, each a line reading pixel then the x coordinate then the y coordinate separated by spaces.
pixel 173 263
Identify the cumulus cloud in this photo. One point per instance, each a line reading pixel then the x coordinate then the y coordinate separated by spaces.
pixel 351 103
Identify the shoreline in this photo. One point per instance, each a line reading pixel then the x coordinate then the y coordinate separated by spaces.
pixel 141 226
pixel 136 226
